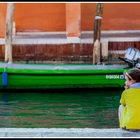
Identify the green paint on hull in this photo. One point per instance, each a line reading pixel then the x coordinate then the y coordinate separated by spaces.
pixel 25 78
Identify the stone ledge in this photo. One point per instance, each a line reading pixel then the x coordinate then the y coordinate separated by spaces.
pixel 66 132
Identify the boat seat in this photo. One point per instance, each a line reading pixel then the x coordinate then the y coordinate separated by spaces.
pixel 132 56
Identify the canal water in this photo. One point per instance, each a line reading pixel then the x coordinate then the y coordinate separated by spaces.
pixel 60 109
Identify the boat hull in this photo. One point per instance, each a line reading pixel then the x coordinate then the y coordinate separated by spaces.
pixel 28 78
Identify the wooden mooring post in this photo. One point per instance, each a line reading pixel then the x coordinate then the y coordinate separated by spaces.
pixel 97 34
pixel 8 32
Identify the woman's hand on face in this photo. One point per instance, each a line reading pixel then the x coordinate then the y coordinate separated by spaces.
pixel 126 86
pixel 127 83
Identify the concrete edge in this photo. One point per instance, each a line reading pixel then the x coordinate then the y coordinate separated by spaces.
pixel 66 132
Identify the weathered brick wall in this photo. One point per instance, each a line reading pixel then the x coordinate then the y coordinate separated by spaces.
pixel 123 45
pixel 66 53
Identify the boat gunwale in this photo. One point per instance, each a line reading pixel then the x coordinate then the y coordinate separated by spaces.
pixel 61 69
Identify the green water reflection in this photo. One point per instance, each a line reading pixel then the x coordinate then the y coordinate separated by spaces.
pixel 69 109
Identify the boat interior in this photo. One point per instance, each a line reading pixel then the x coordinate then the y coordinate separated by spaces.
pixel 132 57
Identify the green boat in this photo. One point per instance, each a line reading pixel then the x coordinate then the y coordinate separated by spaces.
pixel 56 76
pixel 61 76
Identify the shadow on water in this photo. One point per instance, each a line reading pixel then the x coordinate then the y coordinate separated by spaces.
pixel 77 108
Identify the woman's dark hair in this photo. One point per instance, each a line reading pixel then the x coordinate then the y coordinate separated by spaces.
pixel 135 74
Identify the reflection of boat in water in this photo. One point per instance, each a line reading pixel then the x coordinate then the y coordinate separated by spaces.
pixel 37 76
